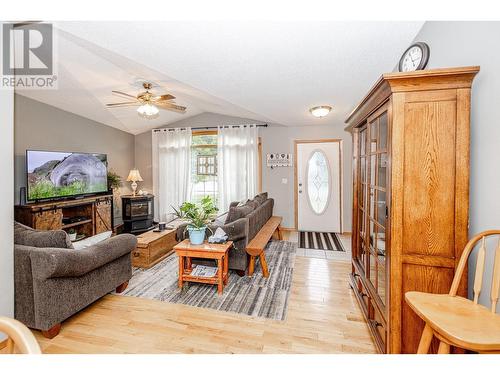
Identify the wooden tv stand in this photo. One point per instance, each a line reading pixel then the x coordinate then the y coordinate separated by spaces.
pixel 96 214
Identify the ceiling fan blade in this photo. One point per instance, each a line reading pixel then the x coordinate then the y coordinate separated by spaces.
pixel 123 94
pixel 124 104
pixel 159 98
pixel 171 106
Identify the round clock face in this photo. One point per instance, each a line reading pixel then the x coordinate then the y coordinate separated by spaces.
pixel 414 58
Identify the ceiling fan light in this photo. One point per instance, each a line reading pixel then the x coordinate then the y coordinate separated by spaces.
pixel 148 111
pixel 320 111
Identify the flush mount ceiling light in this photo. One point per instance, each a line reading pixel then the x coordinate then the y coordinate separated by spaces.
pixel 148 111
pixel 320 111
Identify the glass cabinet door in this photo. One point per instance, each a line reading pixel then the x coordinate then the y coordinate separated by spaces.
pixel 362 199
pixel 376 202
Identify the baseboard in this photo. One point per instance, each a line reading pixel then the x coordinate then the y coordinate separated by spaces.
pixel 347 233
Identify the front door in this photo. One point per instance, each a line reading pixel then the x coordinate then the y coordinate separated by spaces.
pixel 318 194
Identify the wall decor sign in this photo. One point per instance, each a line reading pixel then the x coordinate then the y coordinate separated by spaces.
pixel 279 160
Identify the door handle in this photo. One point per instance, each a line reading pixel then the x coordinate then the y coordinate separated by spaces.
pixel 300 191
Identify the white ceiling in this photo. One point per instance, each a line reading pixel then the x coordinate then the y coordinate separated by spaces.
pixel 268 71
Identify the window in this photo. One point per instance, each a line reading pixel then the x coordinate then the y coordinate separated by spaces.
pixel 204 166
pixel 318 181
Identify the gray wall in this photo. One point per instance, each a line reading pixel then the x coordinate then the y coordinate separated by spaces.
pixel 43 127
pixel 274 139
pixel 474 43
pixel 6 204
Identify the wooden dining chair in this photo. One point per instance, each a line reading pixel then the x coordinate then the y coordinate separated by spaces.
pixel 19 337
pixel 457 321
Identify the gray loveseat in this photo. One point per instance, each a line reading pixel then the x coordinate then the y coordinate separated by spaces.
pixel 241 223
pixel 54 281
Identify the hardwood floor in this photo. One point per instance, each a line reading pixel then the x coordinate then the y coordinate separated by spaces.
pixel 323 317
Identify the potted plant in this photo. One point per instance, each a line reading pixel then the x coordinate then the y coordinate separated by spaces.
pixel 197 216
pixel 72 234
pixel 114 181
pixel 114 185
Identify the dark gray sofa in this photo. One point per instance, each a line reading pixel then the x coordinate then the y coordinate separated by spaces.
pixel 54 281
pixel 241 223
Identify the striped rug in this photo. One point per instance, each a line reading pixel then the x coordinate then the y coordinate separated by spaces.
pixel 320 241
pixel 255 296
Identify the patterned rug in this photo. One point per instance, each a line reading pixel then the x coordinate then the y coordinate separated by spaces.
pixel 254 296
pixel 320 241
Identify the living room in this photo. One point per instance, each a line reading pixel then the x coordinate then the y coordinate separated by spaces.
pixel 246 198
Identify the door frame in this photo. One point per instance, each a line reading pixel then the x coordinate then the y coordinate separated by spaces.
pixel 295 177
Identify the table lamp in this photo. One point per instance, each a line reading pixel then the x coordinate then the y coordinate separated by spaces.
pixel 134 176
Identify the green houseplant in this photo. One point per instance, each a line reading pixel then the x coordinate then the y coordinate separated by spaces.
pixel 114 180
pixel 114 185
pixel 197 216
pixel 72 234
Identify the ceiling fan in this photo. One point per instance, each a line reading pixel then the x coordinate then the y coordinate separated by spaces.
pixel 148 102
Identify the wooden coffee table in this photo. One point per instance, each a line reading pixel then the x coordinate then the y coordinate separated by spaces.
pixel 153 247
pixel 219 252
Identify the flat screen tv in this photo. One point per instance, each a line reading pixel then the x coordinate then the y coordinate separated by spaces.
pixel 52 175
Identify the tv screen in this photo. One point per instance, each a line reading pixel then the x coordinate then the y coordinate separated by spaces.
pixel 62 174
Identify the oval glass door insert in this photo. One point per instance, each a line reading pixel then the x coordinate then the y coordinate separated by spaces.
pixel 318 181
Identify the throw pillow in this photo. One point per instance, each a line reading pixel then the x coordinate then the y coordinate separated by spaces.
pixel 253 203
pixel 79 245
pixel 236 213
pixel 242 203
pixel 261 198
pixel 258 199
pixel 220 220
pixel 27 236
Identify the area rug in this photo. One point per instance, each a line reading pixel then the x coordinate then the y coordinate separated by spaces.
pixel 255 296
pixel 320 241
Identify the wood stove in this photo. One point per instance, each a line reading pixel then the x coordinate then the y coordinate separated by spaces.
pixel 137 213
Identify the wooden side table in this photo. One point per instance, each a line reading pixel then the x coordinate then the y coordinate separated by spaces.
pixel 219 252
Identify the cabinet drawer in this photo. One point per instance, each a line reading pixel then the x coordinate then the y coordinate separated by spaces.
pixel 379 330
pixel 364 295
pixel 361 293
pixel 380 325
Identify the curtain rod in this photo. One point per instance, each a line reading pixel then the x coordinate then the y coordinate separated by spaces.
pixel 212 127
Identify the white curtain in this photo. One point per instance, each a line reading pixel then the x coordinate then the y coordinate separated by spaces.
pixel 171 170
pixel 237 149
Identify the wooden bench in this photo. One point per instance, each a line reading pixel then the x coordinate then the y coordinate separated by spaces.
pixel 257 245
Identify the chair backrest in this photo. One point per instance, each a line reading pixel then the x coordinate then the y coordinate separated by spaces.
pixel 478 277
pixel 19 336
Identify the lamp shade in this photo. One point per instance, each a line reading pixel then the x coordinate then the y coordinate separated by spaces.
pixel 148 111
pixel 134 175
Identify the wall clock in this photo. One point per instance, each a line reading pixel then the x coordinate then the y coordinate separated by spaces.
pixel 415 57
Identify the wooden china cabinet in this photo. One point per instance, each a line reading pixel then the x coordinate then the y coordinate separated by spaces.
pixel 411 196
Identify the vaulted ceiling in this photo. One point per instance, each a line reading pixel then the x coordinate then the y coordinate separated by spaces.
pixel 269 71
